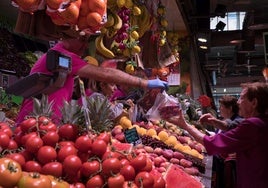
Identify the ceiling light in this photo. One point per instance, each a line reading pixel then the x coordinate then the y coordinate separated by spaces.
pixel 202 39
pixel 203 47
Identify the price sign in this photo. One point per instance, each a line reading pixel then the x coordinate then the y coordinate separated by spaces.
pixel 131 136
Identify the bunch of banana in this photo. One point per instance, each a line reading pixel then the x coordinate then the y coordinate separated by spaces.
pixel 113 24
pixel 144 21
pixel 102 49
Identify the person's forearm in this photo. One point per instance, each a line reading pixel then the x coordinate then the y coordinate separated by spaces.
pixel 222 125
pixel 112 75
pixel 194 132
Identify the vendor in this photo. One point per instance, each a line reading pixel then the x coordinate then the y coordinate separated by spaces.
pixel 75 48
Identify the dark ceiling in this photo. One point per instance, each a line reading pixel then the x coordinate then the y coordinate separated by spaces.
pixel 223 59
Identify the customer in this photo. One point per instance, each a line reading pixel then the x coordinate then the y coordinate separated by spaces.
pixel 249 139
pixel 225 164
pixel 75 47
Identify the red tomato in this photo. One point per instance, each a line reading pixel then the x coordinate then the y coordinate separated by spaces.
pixel 34 180
pixel 84 156
pixel 27 155
pixel 129 184
pixel 90 167
pixel 12 145
pixel 51 138
pixel 110 166
pixel 28 125
pixel 53 168
pixel 32 166
pixel 17 135
pixel 32 145
pixel 99 147
pixel 6 129
pixel 19 158
pixel 10 172
pixel 124 162
pixel 112 154
pixel 144 179
pixel 95 181
pixel 58 183
pixel 4 140
pixel 105 136
pixel 66 151
pixel 139 162
pixel 116 181
pixel 72 164
pixel 128 172
pixel 27 136
pixel 68 131
pixel 46 154
pixel 83 143
pixel 149 165
pixel 77 185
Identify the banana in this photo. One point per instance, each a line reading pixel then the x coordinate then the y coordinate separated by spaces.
pixel 102 49
pixel 110 20
pixel 117 22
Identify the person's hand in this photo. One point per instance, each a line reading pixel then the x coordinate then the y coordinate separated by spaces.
pixel 179 120
pixel 157 83
pixel 208 119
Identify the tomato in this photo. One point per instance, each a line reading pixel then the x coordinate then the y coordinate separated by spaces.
pixel 99 147
pixel 65 143
pixel 34 144
pixel 12 145
pixel 129 184
pixel 6 129
pixel 27 136
pixel 33 179
pixel 144 179
pixel 139 162
pixel 78 185
pixel 46 154
pixel 105 136
pixel 68 131
pixel 17 135
pixel 90 167
pixel 110 166
pixel 124 162
pixel 149 165
pixel 128 172
pixel 53 168
pixel 84 156
pixel 83 143
pixel 32 166
pixel 19 158
pixel 112 154
pixel 116 181
pixel 72 164
pixel 27 155
pixel 95 181
pixel 66 151
pixel 4 140
pixel 28 125
pixel 51 138
pixel 58 183
pixel 10 172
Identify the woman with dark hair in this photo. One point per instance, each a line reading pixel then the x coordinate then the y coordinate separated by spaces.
pixel 248 139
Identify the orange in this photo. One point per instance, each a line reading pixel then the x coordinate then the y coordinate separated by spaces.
pixel 84 10
pixel 54 4
pixel 98 6
pixel 71 13
pixel 94 19
pixel 82 22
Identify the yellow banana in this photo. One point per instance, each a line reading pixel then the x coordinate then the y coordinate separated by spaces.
pixel 110 20
pixel 118 22
pixel 100 47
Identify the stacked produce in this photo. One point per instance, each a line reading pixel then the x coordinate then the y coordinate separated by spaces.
pixel 73 155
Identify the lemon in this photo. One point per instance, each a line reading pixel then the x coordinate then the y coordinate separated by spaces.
pixel 163 135
pixel 130 69
pixel 128 3
pixel 179 147
pixel 171 141
pixel 151 132
pixel 136 11
pixel 141 131
pixel 134 35
pixel 135 49
pixel 121 3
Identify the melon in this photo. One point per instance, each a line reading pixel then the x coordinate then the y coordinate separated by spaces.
pixel 176 178
pixel 121 147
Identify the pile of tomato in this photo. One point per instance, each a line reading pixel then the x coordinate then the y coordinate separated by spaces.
pixel 42 151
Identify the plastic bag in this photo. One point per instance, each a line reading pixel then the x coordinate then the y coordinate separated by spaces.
pixel 165 106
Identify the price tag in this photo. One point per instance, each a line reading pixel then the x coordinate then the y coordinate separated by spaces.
pixel 131 136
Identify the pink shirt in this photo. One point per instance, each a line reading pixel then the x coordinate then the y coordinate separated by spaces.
pixel 249 140
pixel 64 93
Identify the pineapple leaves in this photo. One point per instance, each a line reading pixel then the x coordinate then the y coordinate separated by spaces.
pixel 42 107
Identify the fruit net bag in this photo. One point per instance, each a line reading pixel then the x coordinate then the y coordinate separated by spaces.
pixel 165 107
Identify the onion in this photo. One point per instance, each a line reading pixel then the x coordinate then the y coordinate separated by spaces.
pixel 158 151
pixel 167 153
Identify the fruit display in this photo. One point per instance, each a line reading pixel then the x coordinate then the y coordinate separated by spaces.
pixel 71 154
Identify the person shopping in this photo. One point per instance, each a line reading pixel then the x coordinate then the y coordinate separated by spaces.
pixel 249 139
pixel 75 48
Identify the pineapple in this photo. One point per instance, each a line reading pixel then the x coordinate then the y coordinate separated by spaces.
pixel 100 113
